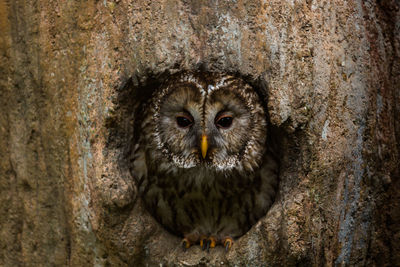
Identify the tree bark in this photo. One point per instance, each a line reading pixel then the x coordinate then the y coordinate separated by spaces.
pixel 72 74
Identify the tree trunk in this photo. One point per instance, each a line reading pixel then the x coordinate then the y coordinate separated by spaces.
pixel 72 74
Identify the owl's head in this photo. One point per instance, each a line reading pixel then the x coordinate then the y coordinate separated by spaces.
pixel 211 120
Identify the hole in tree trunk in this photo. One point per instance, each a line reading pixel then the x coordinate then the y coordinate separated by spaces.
pixel 202 180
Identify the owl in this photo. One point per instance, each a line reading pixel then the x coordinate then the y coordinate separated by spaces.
pixel 202 164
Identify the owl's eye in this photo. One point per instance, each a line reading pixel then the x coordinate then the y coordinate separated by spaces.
pixel 224 121
pixel 184 121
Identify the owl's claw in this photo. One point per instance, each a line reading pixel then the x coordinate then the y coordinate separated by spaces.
pixel 228 243
pixel 207 243
pixel 203 242
pixel 213 241
pixel 185 244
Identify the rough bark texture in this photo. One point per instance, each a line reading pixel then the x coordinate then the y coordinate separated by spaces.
pixel 70 79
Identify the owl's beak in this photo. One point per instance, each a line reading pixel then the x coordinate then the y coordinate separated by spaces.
pixel 204 146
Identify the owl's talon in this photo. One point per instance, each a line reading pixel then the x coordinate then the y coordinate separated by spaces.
pixel 228 243
pixel 185 244
pixel 212 242
pixel 203 242
pixel 208 242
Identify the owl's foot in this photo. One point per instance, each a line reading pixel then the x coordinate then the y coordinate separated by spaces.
pixel 207 243
pixel 185 244
pixel 228 243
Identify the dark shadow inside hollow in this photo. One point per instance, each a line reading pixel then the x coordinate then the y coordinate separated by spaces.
pixel 125 132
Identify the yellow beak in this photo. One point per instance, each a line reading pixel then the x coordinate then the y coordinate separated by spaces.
pixel 204 145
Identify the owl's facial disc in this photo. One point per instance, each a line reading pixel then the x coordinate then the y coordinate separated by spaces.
pixel 213 124
pixel 229 125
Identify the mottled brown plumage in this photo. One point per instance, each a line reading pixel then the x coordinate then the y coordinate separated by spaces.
pixel 202 164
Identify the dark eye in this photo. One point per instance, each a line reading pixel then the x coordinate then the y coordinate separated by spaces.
pixel 224 121
pixel 184 121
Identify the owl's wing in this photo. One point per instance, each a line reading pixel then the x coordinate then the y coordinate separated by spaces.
pixel 269 173
pixel 139 164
